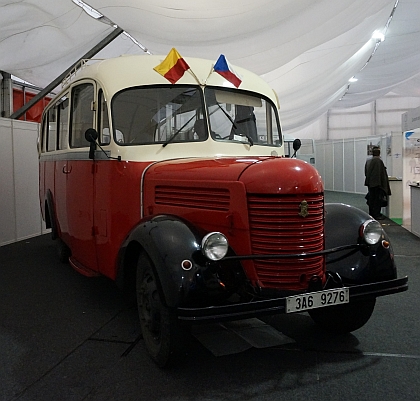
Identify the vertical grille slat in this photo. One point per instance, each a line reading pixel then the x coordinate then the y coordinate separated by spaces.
pixel 277 228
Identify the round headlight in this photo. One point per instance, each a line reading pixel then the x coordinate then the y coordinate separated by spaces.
pixel 371 231
pixel 214 245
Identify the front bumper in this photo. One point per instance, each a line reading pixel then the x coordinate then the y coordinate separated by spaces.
pixel 278 305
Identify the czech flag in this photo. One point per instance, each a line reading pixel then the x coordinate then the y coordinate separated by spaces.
pixel 223 68
pixel 173 67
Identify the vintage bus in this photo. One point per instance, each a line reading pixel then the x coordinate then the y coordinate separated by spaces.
pixel 181 194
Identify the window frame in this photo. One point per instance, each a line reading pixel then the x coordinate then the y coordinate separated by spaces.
pixel 85 124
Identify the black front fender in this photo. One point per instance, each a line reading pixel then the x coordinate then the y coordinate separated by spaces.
pixel 370 263
pixel 174 249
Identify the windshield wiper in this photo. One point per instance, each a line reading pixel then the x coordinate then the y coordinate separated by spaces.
pixel 250 141
pixel 177 132
pixel 227 115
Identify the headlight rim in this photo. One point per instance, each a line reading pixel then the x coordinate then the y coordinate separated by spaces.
pixel 206 248
pixel 365 231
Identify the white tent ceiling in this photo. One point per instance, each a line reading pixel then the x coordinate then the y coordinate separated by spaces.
pixel 306 49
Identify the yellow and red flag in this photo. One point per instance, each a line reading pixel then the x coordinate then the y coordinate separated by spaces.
pixel 173 67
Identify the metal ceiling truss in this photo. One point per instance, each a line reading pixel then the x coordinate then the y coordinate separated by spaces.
pixel 90 54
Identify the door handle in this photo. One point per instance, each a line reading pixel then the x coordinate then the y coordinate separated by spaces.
pixel 67 169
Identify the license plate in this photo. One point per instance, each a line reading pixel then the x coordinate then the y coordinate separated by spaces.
pixel 319 299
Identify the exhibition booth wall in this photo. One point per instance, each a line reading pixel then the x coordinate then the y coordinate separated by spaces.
pixel 20 216
pixel 341 164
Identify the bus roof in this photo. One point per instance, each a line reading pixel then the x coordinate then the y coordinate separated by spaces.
pixel 127 71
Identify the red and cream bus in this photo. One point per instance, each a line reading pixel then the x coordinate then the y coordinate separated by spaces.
pixel 181 194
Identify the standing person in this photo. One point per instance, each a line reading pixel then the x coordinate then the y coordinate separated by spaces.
pixel 377 182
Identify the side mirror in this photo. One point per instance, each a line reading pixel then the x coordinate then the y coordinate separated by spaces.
pixel 91 135
pixel 296 146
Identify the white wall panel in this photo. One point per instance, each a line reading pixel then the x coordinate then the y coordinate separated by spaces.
pixel 7 193
pixel 349 184
pixel 348 120
pixel 28 219
pixel 397 103
pixel 396 159
pixel 388 119
pixel 20 215
pixel 342 163
pixel 338 166
pixel 319 161
pixel 360 152
pixel 344 133
pixel 329 164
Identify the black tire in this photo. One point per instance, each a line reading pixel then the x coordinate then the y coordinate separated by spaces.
pixel 161 330
pixel 50 221
pixel 63 251
pixel 345 318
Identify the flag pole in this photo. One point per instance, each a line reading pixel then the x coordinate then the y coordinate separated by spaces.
pixel 208 76
pixel 195 76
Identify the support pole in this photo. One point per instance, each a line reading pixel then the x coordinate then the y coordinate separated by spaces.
pixel 6 94
pixel 115 33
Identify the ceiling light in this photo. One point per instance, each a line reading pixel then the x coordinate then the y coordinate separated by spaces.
pixel 378 36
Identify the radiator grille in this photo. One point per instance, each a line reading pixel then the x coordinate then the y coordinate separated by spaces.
pixel 277 228
pixel 191 197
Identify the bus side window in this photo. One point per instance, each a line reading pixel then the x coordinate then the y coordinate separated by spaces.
pixel 103 121
pixel 63 123
pixel 51 130
pixel 81 114
pixel 42 134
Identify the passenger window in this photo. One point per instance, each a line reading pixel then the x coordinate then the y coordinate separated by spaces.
pixel 52 130
pixel 104 132
pixel 81 114
pixel 63 123
pixel 43 134
pixel 277 138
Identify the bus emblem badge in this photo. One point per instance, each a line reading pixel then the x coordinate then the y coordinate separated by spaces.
pixel 303 209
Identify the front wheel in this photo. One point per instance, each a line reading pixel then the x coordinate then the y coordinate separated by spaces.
pixel 159 324
pixel 344 318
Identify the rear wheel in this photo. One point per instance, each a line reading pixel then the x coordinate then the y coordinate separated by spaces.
pixel 159 324
pixel 344 318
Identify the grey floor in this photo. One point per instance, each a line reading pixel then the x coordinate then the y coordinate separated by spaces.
pixel 67 337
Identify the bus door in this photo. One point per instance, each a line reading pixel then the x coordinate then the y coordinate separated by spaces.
pixel 80 179
pixel 58 122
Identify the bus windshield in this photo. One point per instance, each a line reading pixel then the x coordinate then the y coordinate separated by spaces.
pixel 154 114
pixel 178 113
pixel 239 116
